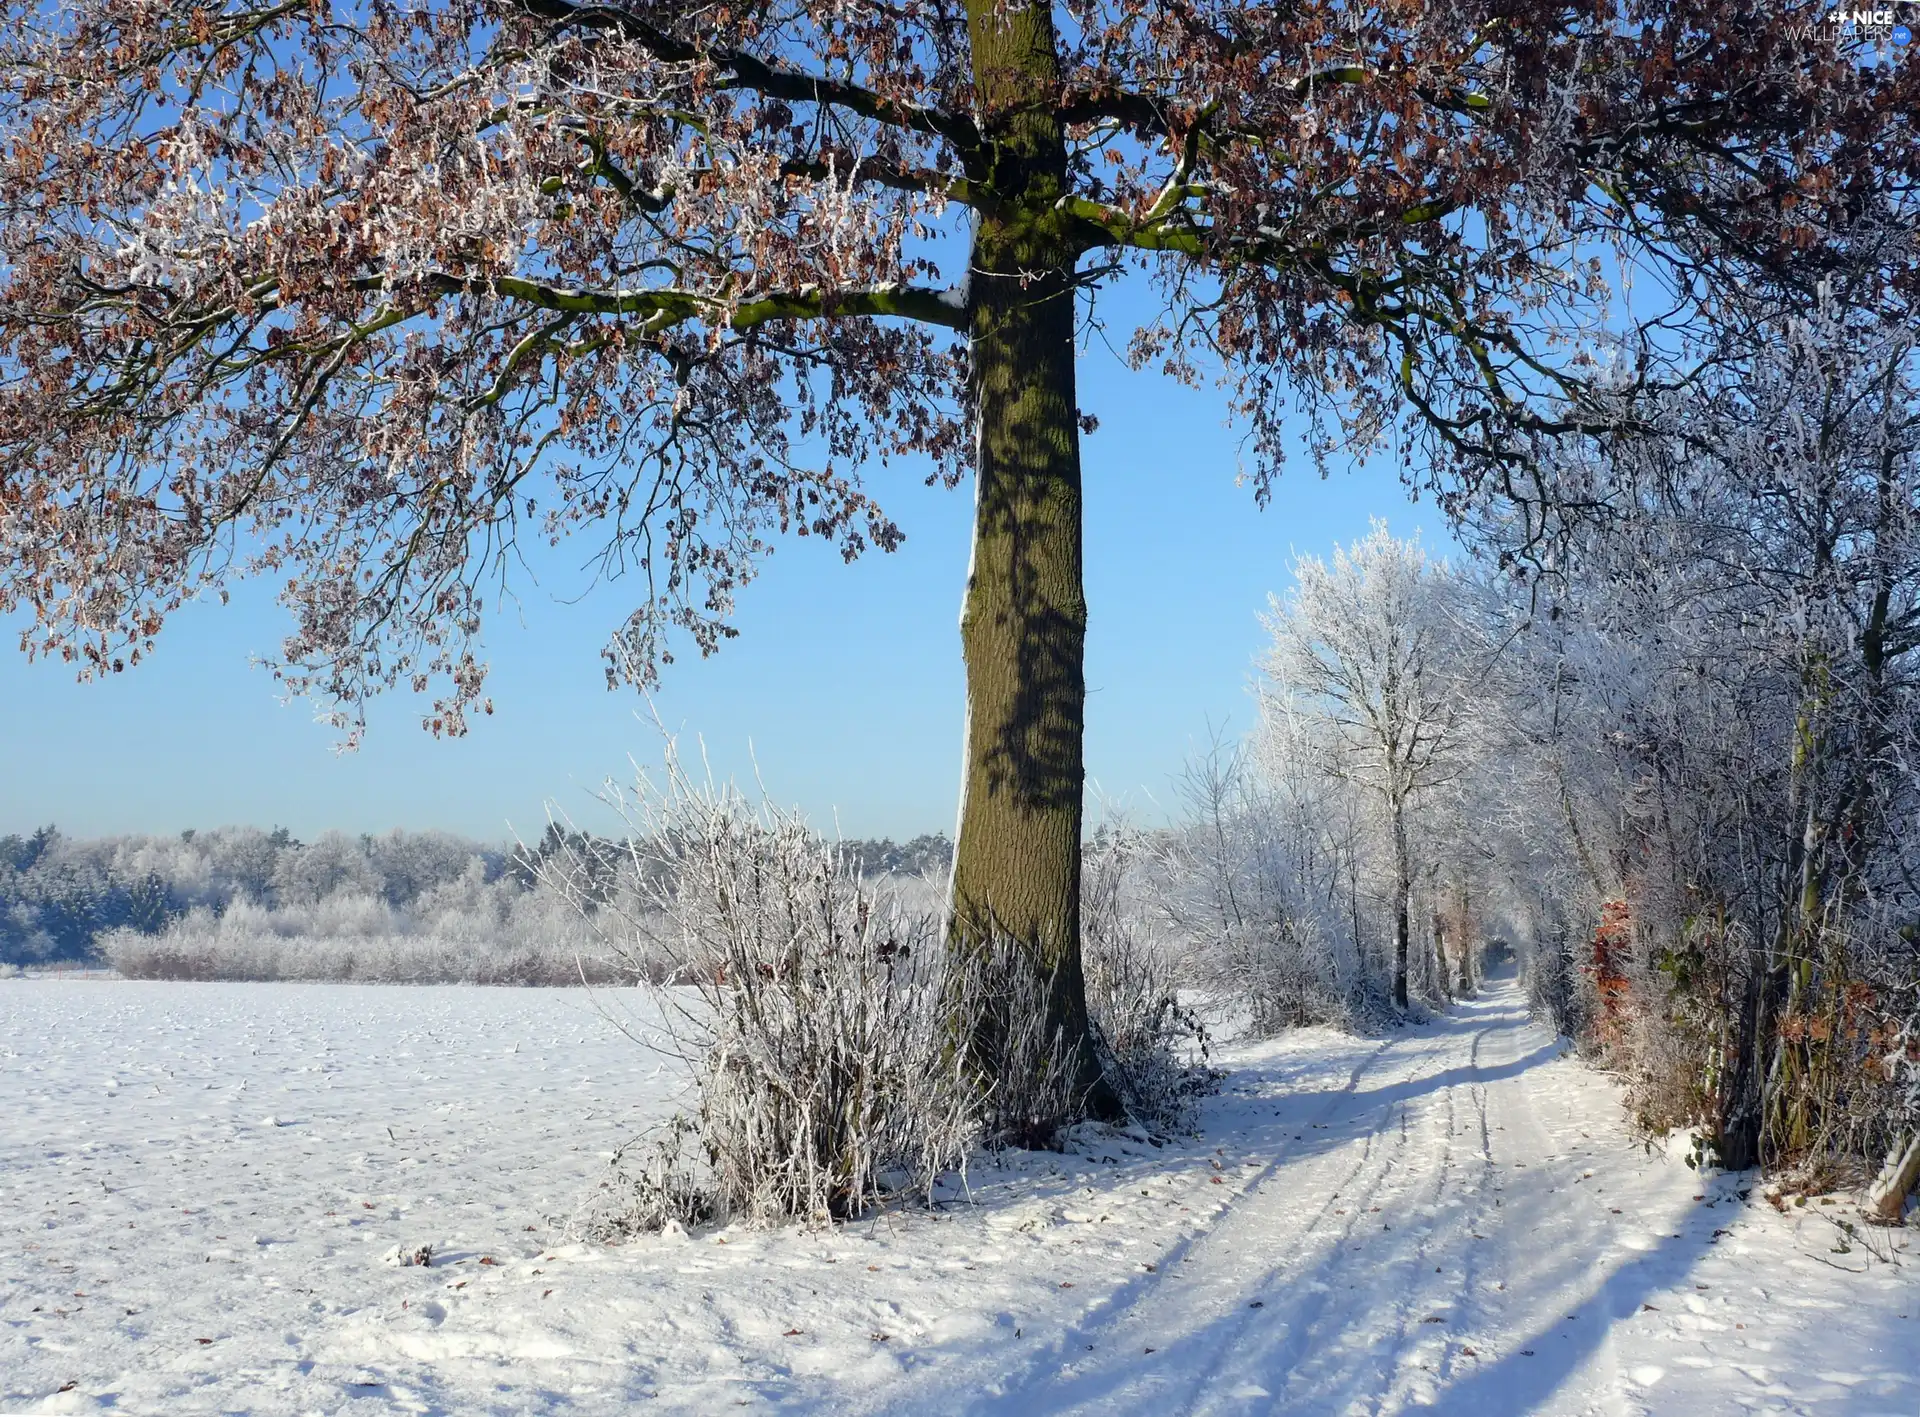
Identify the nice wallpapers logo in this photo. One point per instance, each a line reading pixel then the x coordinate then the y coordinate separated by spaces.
pixel 1892 26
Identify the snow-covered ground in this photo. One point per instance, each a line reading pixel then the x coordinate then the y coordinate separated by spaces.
pixel 198 1184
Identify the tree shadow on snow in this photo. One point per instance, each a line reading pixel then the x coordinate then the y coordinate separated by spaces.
pixel 1346 1327
pixel 1398 1092
pixel 1536 1366
pixel 1246 1361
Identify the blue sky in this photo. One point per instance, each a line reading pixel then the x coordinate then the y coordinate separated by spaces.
pixel 844 686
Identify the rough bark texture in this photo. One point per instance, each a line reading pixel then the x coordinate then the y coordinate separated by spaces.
pixel 1023 629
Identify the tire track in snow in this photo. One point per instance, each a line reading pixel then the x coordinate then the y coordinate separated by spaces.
pixel 1336 1363
pixel 1594 1386
pixel 1026 1390
pixel 1269 1246
pixel 1261 1320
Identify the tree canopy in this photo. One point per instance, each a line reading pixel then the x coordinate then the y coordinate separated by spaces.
pixel 362 295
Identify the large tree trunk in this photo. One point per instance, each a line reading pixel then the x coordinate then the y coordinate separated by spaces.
pixel 1023 630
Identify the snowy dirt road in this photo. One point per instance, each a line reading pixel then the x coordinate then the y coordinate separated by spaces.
pixel 198 1184
pixel 1454 1220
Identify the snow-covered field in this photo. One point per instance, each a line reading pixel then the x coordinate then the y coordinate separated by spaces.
pixel 199 1182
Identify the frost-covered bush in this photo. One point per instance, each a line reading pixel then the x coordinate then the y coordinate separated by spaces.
pixel 240 946
pixel 808 1012
pixel 1156 1046
pixel 1551 975
pixel 476 933
pixel 1267 887
pixel 840 1053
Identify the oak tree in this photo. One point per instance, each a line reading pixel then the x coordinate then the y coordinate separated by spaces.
pixel 356 294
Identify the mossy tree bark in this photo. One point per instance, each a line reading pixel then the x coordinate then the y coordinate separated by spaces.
pixel 1024 625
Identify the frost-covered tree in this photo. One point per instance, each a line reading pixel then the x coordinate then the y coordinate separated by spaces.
pixel 334 864
pixel 358 295
pixel 57 895
pixel 1724 695
pixel 408 865
pixel 1252 881
pixel 1375 646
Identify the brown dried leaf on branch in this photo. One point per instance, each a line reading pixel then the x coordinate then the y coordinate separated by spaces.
pixel 361 298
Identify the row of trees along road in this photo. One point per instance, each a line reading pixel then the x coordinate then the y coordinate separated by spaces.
pixel 1678 768
pixel 1718 689
pixel 358 295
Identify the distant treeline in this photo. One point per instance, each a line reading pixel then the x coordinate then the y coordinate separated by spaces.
pixel 62 898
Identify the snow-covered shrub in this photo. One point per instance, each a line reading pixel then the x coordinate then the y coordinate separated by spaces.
pixel 840 1052
pixel 1156 1047
pixel 1259 884
pixel 1886 1116
pixel 355 938
pixel 811 1015
pixel 1552 979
